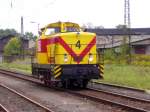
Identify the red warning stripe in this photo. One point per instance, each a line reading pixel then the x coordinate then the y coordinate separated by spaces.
pixel 66 47
pixel 77 58
pixel 89 46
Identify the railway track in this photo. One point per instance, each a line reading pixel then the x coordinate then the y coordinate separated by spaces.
pixel 17 102
pixel 124 102
pixel 131 102
pixel 27 77
pixel 124 90
pixel 20 76
pixel 3 109
pixel 117 86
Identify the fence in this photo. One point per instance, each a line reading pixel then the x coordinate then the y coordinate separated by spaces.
pixel 17 62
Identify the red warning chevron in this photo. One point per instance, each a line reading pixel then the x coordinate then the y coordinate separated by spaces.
pixel 77 58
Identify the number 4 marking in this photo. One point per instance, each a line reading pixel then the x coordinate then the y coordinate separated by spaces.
pixel 78 44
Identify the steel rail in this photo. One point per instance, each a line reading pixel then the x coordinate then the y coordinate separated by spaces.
pixel 27 98
pixel 19 75
pixel 92 82
pixel 121 95
pixel 132 99
pixel 2 108
pixel 99 99
pixel 118 86
pixel 14 72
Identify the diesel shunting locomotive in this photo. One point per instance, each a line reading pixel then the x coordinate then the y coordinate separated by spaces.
pixel 66 55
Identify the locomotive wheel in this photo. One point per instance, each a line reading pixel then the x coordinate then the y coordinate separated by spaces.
pixel 46 83
pixel 74 83
pixel 63 84
pixel 47 78
pixel 67 84
pixel 84 83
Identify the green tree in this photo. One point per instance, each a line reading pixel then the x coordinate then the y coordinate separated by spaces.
pixel 7 32
pixel 121 26
pixel 13 47
pixel 30 36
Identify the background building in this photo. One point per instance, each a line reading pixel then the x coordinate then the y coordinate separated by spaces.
pixel 113 38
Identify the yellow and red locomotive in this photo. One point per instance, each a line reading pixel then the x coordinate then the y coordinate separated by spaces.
pixel 67 55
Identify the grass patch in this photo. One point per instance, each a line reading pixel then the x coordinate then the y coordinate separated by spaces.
pixel 19 65
pixel 127 75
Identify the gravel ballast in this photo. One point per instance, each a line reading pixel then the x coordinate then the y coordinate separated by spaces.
pixel 15 103
pixel 56 100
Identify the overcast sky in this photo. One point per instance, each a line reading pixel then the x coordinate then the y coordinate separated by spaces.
pixel 107 13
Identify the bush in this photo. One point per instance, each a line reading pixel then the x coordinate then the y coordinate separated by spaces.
pixel 140 59
pixel 111 57
pixel 13 47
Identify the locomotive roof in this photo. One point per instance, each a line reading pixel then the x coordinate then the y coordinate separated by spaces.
pixel 58 24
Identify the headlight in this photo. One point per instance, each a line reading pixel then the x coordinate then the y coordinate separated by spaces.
pixel 65 58
pixel 90 57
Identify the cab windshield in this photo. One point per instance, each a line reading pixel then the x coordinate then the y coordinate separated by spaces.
pixel 52 30
pixel 72 29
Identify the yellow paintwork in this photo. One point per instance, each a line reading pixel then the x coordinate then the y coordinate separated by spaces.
pixel 42 58
pixel 57 51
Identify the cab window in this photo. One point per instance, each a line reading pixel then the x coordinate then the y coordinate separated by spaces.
pixel 50 31
pixel 72 29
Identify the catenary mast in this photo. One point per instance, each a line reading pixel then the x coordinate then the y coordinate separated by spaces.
pixel 127 23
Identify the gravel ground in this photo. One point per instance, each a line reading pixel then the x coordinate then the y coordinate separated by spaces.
pixel 121 91
pixel 15 103
pixel 56 100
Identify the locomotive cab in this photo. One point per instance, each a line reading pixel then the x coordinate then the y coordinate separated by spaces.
pixel 67 55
